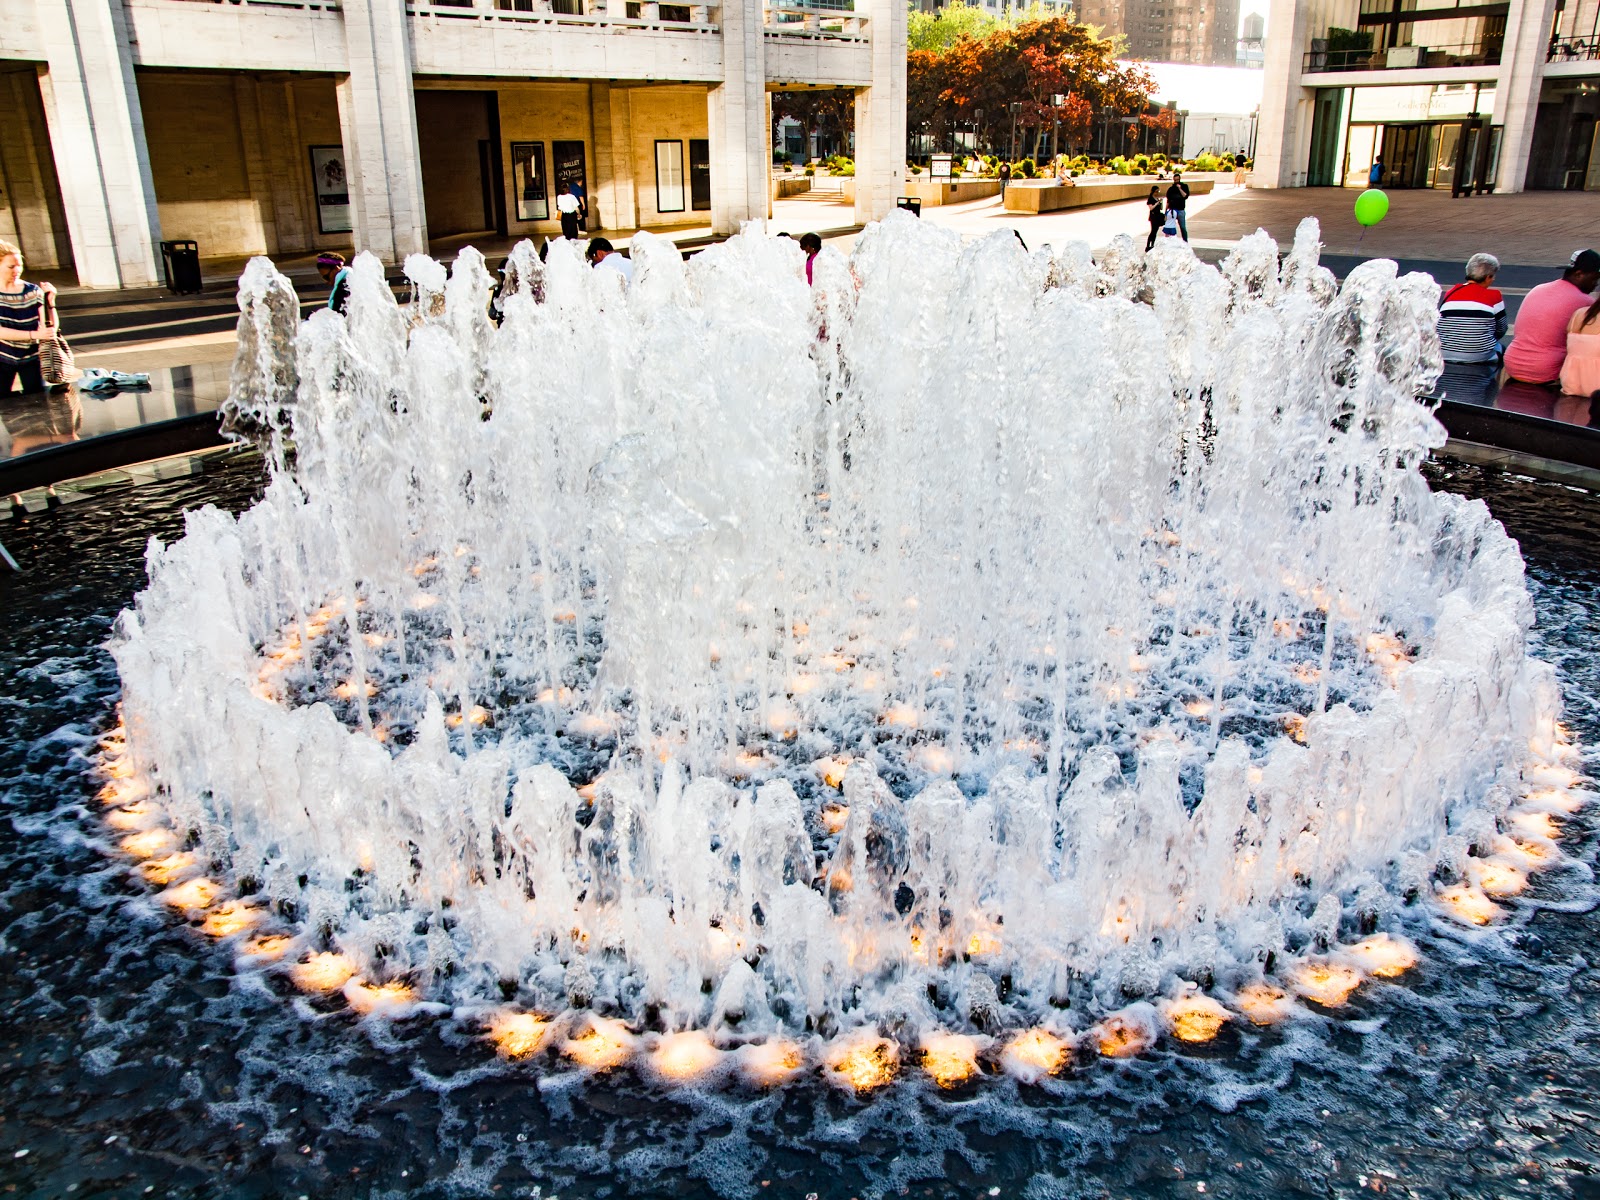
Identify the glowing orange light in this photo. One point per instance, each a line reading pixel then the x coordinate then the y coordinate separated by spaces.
pixel 228 919
pixel 192 893
pixel 832 770
pixel 770 1064
pixel 324 972
pixel 1306 673
pixel 1383 956
pixel 379 998
pixel 936 760
pixel 1120 1037
pixel 603 1045
pixel 685 1057
pixel 555 696
pixel 517 1034
pixel 1555 800
pixel 1496 876
pixel 590 725
pixel 1295 726
pixel 900 716
pixel 269 948
pixel 1535 825
pixel 1285 629
pixel 1469 904
pixel 1326 983
pixel 834 816
pixel 424 600
pixel 150 843
pixel 836 663
pixel 133 817
pixel 1263 1003
pixel 170 869
pixel 1033 1054
pixel 1196 1018
pixel 982 942
pixel 950 1059
pixel 1198 708
pixel 863 1064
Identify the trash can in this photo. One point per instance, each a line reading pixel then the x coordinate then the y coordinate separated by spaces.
pixel 181 261
pixel 911 204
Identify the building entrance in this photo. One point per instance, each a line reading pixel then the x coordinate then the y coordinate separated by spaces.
pixel 463 176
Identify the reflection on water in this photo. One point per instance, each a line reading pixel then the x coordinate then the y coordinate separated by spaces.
pixel 1483 384
pixel 32 421
pixel 135 1059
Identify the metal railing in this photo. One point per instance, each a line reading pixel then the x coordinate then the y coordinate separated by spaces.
pixel 640 14
pixel 1470 54
pixel 1573 49
pixel 827 20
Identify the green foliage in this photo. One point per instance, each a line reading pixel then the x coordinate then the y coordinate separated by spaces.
pixel 1026 168
pixel 1141 164
pixel 1348 39
pixel 810 171
pixel 940 30
pixel 916 170
pixel 1205 162
pixel 1118 166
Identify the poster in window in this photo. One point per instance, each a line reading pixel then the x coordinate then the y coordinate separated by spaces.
pixel 669 177
pixel 332 188
pixel 570 169
pixel 528 180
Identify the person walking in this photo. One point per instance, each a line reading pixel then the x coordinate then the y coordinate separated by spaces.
pixel 335 273
pixel 1539 342
pixel 1178 201
pixel 1580 372
pixel 567 206
pixel 1005 178
pixel 1375 172
pixel 27 317
pixel 1156 215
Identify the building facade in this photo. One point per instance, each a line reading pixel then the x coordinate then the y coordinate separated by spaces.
pixel 289 126
pixel 1203 32
pixel 1460 95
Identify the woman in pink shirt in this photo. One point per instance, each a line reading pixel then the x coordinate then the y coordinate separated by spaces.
pixel 1539 345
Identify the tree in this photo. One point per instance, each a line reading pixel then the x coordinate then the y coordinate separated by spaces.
pixel 830 112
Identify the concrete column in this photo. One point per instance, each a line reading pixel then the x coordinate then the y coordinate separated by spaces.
pixel 378 123
pixel 615 200
pixel 97 132
pixel 1516 97
pixel 288 178
pixel 740 163
pixel 30 209
pixel 1283 136
pixel 881 113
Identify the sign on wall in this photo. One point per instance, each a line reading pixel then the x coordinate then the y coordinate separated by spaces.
pixel 571 169
pixel 529 181
pixel 332 189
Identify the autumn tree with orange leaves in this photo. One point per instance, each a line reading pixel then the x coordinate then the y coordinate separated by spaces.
pixel 971 83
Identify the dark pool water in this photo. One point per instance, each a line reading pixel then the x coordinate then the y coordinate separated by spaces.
pixel 134 1061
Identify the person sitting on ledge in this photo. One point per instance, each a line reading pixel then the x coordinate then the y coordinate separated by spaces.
pixel 602 253
pixel 1539 342
pixel 1580 373
pixel 1472 315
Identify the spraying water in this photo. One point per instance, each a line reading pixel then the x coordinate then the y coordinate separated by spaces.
pixel 975 642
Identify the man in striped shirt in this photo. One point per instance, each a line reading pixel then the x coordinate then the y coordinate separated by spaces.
pixel 1472 315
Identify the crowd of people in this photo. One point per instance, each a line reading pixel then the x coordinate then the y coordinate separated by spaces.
pixel 1554 345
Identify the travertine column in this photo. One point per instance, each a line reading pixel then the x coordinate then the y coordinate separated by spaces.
pixel 616 203
pixel 881 113
pixel 741 170
pixel 97 133
pixel 378 123
pixel 1516 96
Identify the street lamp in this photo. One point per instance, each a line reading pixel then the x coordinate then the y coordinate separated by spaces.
pixel 1016 107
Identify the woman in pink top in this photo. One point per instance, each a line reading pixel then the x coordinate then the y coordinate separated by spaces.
pixel 1580 374
pixel 1540 341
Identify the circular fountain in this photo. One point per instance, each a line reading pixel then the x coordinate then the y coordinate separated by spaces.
pixel 977 656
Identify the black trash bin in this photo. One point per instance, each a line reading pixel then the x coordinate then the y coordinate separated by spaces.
pixel 181 261
pixel 911 204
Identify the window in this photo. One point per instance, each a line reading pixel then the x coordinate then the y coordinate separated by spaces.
pixel 676 12
pixel 669 177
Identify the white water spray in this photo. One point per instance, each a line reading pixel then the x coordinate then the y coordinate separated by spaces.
pixel 1109 597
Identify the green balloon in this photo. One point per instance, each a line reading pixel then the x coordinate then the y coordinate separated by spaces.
pixel 1371 206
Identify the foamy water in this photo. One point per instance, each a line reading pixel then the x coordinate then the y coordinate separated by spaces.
pixel 979 656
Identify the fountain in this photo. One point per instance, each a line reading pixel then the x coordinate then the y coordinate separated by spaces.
pixel 980 659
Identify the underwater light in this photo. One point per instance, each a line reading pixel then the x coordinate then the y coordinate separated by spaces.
pixel 1263 1003
pixel 1326 983
pixel 603 1045
pixel 1382 955
pixel 770 1064
pixel 1469 904
pixel 1195 1017
pixel 950 1059
pixel 1035 1053
pixel 863 1064
pixel 325 972
pixel 685 1057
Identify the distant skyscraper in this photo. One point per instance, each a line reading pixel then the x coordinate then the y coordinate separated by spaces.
pixel 1200 31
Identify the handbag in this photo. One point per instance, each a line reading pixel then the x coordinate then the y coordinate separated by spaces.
pixel 55 356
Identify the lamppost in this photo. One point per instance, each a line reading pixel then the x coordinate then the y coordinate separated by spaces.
pixel 1016 107
pixel 1056 102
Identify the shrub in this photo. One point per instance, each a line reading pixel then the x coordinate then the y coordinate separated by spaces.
pixel 915 170
pixel 1141 164
pixel 1205 162
pixel 810 171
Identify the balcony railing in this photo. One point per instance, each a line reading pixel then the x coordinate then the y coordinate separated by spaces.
pixel 831 20
pixel 636 14
pixel 1400 58
pixel 1574 49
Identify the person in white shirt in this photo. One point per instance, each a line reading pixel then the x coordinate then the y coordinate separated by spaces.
pixel 603 254
pixel 567 206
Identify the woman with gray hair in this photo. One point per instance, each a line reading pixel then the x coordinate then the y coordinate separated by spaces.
pixel 1472 320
